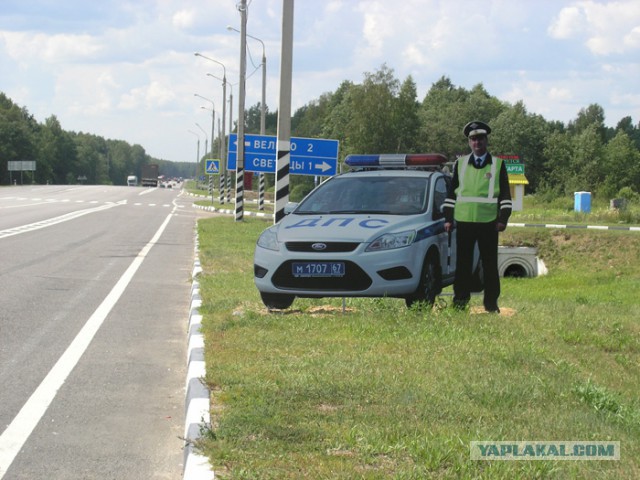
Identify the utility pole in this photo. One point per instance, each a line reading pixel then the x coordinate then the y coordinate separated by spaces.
pixel 284 112
pixel 241 97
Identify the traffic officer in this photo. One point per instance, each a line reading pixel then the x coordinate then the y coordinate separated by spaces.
pixel 479 201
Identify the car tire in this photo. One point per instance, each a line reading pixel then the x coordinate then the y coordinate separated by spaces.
pixel 277 301
pixel 430 283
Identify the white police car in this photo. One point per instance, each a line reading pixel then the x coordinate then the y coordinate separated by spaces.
pixel 376 231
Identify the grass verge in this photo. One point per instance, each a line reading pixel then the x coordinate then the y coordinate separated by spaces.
pixel 378 391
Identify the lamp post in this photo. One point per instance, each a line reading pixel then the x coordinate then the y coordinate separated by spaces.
pixel 239 214
pixel 231 85
pixel 263 104
pixel 263 112
pixel 206 140
pixel 197 154
pixel 213 119
pixel 223 169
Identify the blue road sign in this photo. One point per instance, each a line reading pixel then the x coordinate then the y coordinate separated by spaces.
pixel 309 156
pixel 212 167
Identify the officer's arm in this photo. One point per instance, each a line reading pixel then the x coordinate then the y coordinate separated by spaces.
pixel 504 200
pixel 450 202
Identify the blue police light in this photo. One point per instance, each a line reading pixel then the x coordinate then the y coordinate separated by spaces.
pixel 396 160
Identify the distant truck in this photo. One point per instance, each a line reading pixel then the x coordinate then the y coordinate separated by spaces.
pixel 132 181
pixel 150 175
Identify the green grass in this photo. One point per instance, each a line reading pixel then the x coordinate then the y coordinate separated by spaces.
pixel 561 211
pixel 379 391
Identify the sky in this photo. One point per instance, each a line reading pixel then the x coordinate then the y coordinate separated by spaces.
pixel 126 69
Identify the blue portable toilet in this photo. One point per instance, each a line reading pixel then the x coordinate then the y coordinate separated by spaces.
pixel 582 202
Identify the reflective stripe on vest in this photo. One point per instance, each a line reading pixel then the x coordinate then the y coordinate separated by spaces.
pixel 472 203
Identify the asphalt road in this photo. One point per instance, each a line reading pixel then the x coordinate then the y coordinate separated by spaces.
pixel 94 299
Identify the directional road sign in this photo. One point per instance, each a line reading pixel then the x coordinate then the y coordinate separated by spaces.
pixel 309 156
pixel 212 167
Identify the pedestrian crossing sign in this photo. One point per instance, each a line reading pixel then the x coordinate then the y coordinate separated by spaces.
pixel 213 167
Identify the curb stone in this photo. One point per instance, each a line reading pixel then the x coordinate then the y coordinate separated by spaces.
pixel 197 405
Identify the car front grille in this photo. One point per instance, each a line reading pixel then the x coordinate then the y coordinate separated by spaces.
pixel 354 279
pixel 330 247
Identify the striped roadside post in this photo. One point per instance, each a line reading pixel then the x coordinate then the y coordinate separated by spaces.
pixel 284 116
pixel 261 186
pixel 282 179
pixel 239 210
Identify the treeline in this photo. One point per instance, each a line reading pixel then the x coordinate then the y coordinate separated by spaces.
pixel 380 115
pixel 64 157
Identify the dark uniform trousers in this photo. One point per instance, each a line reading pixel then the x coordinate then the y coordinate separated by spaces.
pixel 486 235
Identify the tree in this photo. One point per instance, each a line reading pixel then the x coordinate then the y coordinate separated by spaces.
pixel 592 116
pixel 406 122
pixel 633 131
pixel 516 132
pixel 92 158
pixel 586 162
pixel 443 113
pixel 558 152
pixel 57 153
pixel 482 106
pixel 339 115
pixel 18 131
pixel 309 120
pixel 621 165
pixel 371 126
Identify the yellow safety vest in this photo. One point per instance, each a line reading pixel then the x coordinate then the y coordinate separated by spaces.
pixel 478 191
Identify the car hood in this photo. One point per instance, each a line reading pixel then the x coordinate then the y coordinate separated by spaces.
pixel 345 227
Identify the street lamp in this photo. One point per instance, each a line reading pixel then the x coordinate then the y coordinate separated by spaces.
pixel 222 154
pixel 263 104
pixel 213 120
pixel 206 140
pixel 263 112
pixel 197 154
pixel 223 169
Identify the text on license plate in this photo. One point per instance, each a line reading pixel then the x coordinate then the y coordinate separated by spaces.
pixel 317 269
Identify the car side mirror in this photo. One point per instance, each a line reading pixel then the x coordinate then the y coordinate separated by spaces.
pixel 290 207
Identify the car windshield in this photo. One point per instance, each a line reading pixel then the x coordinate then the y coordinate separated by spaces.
pixel 374 195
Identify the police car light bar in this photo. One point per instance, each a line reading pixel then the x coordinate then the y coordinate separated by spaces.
pixel 396 160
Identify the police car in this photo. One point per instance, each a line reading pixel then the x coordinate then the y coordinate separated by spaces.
pixel 375 231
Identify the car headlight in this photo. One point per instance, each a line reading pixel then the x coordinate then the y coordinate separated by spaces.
pixel 269 240
pixel 392 240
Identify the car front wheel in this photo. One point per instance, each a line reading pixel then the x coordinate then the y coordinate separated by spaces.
pixel 276 301
pixel 430 283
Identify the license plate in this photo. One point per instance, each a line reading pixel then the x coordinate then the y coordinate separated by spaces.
pixel 318 269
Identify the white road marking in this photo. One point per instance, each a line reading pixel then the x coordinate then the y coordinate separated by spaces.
pixel 51 221
pixel 15 436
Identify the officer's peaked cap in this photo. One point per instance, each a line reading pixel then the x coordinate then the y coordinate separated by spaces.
pixel 476 128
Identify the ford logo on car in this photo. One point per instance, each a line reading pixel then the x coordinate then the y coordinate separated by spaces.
pixel 319 246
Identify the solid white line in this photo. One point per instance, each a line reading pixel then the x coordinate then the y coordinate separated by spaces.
pixel 15 436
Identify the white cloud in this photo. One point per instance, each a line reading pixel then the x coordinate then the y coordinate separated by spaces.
pixel 609 28
pixel 569 22
pixel 632 39
pixel 559 94
pixel 183 18
pixel 59 48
